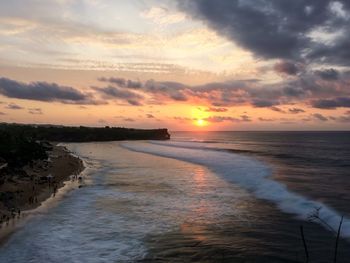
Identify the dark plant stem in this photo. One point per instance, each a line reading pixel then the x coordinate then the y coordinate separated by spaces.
pixel 327 225
pixel 337 240
pixel 304 243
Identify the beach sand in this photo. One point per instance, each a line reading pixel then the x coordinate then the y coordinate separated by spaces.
pixel 31 186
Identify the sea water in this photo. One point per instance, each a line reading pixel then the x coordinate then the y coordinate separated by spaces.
pixel 200 197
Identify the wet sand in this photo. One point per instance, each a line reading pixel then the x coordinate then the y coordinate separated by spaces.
pixel 33 185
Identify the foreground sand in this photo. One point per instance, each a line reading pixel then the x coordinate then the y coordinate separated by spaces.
pixel 26 191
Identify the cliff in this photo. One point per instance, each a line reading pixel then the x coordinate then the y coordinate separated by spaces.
pixel 83 134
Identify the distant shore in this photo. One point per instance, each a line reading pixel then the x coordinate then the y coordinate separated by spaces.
pixel 36 183
pixel 33 169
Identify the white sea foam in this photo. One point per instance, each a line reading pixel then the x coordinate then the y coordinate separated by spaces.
pixel 248 173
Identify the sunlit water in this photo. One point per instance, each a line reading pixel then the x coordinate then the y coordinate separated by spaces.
pixel 170 202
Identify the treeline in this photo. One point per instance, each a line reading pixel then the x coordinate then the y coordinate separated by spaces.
pixel 19 144
pixel 17 149
pixel 83 134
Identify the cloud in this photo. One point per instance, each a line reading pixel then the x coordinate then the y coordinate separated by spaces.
pixel 307 88
pixel 320 117
pixel 264 103
pixel 170 90
pixel 213 109
pixel 134 102
pixel 35 111
pixel 295 110
pixel 128 119
pixel 122 94
pixel 13 106
pixel 163 16
pixel 345 119
pixel 43 91
pixel 328 74
pixel 332 103
pixel 245 118
pixel 150 116
pixel 265 119
pixel 184 119
pixel 121 82
pixel 216 119
pixel 286 67
pixel 280 29
pixel 274 108
pixel 2 113
pixel 102 121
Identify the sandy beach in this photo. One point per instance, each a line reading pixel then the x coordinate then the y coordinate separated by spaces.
pixel 31 185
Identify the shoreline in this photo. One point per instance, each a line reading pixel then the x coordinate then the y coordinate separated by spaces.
pixel 43 182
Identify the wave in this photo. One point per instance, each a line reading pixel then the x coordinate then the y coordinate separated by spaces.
pixel 250 174
pixel 330 160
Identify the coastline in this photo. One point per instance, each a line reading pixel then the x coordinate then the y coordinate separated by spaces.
pixel 25 194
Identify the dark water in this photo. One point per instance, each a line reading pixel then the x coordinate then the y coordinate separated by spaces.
pixel 316 164
pixel 313 164
pixel 201 197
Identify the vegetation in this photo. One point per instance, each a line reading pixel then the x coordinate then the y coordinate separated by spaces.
pixel 83 134
pixel 315 217
pixel 20 144
pixel 18 150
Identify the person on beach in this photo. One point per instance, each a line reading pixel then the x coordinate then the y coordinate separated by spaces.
pixel 55 190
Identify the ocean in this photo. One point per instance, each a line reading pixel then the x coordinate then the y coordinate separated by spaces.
pixel 200 197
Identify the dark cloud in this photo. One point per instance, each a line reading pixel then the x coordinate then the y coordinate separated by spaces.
pixel 306 119
pixel 183 119
pixel 274 108
pixel 129 120
pixel 150 116
pixel 295 110
pixel 338 53
pixel 121 82
pixel 215 119
pixel 122 94
pixel 332 103
pixel 35 111
pixel 307 87
pixel 42 91
pixel 344 118
pixel 171 90
pixel 213 109
pixel 134 102
pixel 294 91
pixel 286 67
pixel 102 121
pixel 320 117
pixel 287 122
pixel 264 103
pixel 2 113
pixel 245 118
pixel 265 119
pixel 279 29
pixel 13 106
pixel 328 74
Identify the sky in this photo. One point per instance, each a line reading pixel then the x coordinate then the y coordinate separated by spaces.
pixel 179 64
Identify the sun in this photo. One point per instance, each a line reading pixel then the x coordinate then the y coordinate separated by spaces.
pixel 200 122
pixel 199 116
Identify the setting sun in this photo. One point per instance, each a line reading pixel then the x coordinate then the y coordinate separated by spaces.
pixel 200 122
